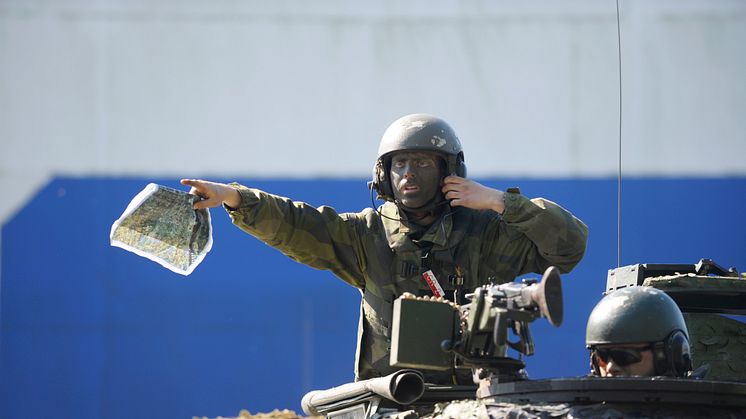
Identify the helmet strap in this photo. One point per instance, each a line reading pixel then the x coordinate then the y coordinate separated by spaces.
pixel 594 364
pixel 432 209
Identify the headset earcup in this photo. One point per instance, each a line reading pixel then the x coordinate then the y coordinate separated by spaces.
pixel 678 353
pixel 456 165
pixel 381 183
pixel 461 171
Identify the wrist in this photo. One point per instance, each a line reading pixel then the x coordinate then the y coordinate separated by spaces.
pixel 510 199
pixel 232 198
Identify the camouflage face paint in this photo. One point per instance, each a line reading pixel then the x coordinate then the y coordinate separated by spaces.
pixel 415 177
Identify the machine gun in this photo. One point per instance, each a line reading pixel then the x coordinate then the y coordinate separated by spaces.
pixel 437 335
pixel 494 309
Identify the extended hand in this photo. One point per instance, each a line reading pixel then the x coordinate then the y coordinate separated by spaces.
pixel 470 194
pixel 213 194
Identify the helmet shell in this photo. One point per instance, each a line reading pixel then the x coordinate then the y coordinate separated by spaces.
pixel 634 315
pixel 419 132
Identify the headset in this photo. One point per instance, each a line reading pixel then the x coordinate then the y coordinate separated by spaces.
pixel 673 356
pixel 381 182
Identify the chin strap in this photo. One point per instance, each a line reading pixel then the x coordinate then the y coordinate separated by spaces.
pixel 428 209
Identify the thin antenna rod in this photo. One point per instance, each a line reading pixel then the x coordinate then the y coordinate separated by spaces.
pixel 619 174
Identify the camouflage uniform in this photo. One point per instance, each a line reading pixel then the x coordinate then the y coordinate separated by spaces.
pixel 378 255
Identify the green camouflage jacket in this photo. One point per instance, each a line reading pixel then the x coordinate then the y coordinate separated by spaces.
pixel 376 255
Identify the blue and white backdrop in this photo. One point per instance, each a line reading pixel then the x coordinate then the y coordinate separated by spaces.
pixel 98 98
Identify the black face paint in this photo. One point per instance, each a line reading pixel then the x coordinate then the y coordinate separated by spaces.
pixel 415 178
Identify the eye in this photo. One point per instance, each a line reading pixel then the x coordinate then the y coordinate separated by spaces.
pixel 424 163
pixel 398 163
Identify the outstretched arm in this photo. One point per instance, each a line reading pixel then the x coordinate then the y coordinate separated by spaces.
pixel 319 238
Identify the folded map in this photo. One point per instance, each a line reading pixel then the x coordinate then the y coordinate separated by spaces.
pixel 161 225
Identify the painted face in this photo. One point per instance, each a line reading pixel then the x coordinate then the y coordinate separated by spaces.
pixel 633 360
pixel 415 177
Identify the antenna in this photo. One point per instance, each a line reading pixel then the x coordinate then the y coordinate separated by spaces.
pixel 619 164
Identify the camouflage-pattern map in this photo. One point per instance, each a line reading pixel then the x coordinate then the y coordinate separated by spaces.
pixel 161 225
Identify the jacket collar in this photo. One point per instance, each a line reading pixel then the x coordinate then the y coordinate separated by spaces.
pixel 397 232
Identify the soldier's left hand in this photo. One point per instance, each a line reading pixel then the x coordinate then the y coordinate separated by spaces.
pixel 470 194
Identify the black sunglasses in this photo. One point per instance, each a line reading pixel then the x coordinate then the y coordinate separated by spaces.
pixel 621 356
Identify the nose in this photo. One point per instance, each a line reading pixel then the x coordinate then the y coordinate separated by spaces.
pixel 408 172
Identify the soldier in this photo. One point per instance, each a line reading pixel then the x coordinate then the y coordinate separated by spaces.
pixel 437 232
pixel 638 331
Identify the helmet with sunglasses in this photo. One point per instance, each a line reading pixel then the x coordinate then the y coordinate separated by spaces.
pixel 641 315
pixel 416 132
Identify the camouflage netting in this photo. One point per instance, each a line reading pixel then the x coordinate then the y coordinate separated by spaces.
pixel 275 414
pixel 605 410
pixel 471 409
pixel 462 409
pixel 696 282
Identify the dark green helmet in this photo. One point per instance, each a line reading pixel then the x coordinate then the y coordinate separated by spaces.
pixel 419 132
pixel 416 132
pixel 643 315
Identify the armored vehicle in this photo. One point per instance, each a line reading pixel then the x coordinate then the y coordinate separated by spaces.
pixel 434 334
